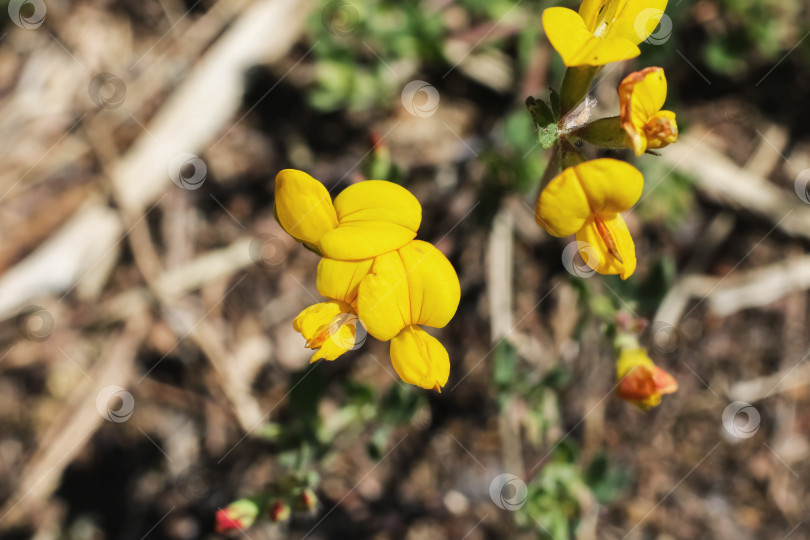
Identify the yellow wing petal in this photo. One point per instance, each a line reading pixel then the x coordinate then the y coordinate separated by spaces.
pixel 329 327
pixel 609 184
pixel 613 249
pixel 383 301
pixel 635 20
pixel 341 279
pixel 599 185
pixel 571 38
pixel 303 206
pixel 562 207
pixel 420 359
pixel 433 285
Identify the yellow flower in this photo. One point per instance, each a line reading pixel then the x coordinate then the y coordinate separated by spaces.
pixel 416 285
pixel 367 219
pixel 603 31
pixel 641 96
pixel 640 381
pixel 587 199
pixel 373 273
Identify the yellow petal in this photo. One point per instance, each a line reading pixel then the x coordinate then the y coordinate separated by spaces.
pixel 329 327
pixel 599 185
pixel 341 279
pixel 641 96
pixel 635 20
pixel 630 358
pixel 383 300
pixel 661 130
pixel 577 45
pixel 375 217
pixel 433 286
pixel 420 359
pixel 303 206
pixel 364 240
pixel 613 250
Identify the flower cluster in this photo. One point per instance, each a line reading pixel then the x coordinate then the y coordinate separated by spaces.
pixel 587 197
pixel 243 513
pixel 375 275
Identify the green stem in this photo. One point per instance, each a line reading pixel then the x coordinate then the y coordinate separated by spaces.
pixel 569 155
pixel 552 167
pixel 575 85
pixel 605 133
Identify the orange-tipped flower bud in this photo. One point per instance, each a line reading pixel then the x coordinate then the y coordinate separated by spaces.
pixel 640 381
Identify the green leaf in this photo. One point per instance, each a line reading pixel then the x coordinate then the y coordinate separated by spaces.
pixel 547 136
pixel 541 113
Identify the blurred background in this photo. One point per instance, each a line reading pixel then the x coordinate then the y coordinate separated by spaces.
pixel 149 372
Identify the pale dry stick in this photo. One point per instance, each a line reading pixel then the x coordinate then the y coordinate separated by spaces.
pixel 193 116
pixel 788 444
pixel 75 423
pixel 500 262
pixel 785 380
pixel 499 275
pixel 207 99
pixel 748 289
pixel 723 181
pixel 691 284
pixel 161 75
pixel 235 389
pixel 204 334
pixel 761 286
pixel 769 153
pixel 176 282
pixel 84 242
